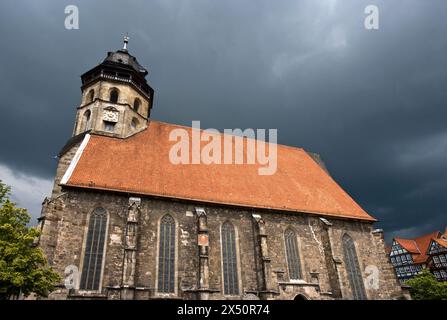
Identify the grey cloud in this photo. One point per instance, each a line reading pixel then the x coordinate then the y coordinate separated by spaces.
pixel 372 103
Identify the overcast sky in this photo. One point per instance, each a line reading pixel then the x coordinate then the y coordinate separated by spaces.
pixel 372 103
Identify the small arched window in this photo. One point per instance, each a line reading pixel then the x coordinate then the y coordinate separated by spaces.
pixel 94 250
pixel 136 104
pixel 353 269
pixel 90 96
pixel 293 256
pixel 86 120
pixel 229 259
pixel 114 95
pixel 166 255
pixel 134 123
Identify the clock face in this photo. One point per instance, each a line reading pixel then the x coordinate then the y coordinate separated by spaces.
pixel 110 115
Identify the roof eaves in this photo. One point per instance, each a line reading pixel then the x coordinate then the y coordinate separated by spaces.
pixel 285 209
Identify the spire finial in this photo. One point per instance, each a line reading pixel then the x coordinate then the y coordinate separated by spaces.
pixel 126 41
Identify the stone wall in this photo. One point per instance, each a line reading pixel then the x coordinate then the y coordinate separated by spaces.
pixel 53 208
pixel 262 264
pixel 124 107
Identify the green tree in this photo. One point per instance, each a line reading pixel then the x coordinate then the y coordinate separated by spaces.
pixel 424 286
pixel 23 267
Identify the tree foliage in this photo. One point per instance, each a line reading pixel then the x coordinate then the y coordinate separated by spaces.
pixel 424 286
pixel 23 267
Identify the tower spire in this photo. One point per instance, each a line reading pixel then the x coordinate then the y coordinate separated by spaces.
pixel 126 41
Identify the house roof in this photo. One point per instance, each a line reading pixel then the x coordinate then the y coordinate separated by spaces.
pixel 441 242
pixel 418 246
pixel 140 164
pixel 409 245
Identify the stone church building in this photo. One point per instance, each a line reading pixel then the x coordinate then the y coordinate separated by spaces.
pixel 129 224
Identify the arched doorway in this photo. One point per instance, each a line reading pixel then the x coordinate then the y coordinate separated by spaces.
pixel 300 297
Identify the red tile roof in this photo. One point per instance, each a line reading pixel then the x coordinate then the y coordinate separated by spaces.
pixel 418 247
pixel 140 164
pixel 409 245
pixel 441 242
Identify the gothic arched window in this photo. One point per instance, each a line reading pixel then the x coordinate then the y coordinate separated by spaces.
pixel 114 95
pixel 229 259
pixel 136 104
pixel 94 250
pixel 91 95
pixel 353 269
pixel 292 253
pixel 166 255
pixel 86 120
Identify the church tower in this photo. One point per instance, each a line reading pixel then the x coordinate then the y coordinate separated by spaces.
pixel 116 98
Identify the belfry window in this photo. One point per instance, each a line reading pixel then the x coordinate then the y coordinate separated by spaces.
pixel 353 269
pixel 136 104
pixel 94 250
pixel 91 95
pixel 229 259
pixel 114 96
pixel 86 120
pixel 166 256
pixel 292 253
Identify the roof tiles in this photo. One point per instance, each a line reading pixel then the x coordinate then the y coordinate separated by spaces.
pixel 140 164
pixel 418 247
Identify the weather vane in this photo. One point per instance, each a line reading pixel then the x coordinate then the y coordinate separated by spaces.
pixel 126 41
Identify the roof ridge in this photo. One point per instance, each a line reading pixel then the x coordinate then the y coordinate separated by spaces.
pixel 417 246
pixel 232 135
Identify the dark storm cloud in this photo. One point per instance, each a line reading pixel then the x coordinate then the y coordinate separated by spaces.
pixel 372 103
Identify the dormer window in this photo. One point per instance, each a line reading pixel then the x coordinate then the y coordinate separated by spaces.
pixel 114 96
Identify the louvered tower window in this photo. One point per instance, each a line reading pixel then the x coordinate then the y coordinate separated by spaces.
pixel 229 259
pixel 166 258
pixel 353 269
pixel 293 257
pixel 94 250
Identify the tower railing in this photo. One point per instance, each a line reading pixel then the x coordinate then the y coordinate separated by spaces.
pixel 121 79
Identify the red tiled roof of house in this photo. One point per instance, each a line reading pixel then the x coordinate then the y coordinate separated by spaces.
pixel 409 245
pixel 441 242
pixel 140 164
pixel 418 247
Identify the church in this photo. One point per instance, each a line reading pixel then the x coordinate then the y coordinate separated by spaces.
pixel 124 222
